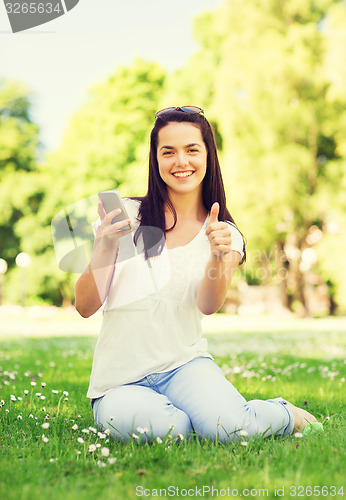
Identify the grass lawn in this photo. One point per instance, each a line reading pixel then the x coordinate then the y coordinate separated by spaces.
pixel 304 365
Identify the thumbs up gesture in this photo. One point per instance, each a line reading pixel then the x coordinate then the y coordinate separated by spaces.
pixel 219 233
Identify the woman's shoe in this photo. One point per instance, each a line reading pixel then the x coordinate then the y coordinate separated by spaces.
pixel 312 428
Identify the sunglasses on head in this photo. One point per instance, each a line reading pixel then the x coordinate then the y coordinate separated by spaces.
pixel 185 109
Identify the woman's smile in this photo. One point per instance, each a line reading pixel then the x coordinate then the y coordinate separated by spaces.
pixel 183 175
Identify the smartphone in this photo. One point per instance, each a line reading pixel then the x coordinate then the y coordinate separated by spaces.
pixel 112 200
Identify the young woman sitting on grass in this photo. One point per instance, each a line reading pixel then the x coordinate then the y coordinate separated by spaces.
pixel 151 366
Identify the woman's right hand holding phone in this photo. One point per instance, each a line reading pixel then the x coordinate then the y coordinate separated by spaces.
pixel 109 234
pixel 93 286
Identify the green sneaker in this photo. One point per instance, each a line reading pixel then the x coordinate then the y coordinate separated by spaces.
pixel 312 428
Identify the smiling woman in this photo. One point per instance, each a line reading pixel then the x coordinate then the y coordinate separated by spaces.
pixel 182 164
pixel 151 368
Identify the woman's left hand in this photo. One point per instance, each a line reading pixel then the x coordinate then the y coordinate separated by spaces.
pixel 219 233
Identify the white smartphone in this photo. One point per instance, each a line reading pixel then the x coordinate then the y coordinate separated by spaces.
pixel 112 200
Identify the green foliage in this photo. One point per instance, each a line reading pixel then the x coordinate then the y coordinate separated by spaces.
pixel 18 149
pixel 105 136
pixel 194 83
pixel 281 115
pixel 104 147
pixel 271 78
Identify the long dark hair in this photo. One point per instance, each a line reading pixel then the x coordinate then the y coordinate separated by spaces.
pixel 151 212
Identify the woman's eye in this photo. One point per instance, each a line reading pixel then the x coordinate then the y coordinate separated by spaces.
pixel 193 150
pixel 167 153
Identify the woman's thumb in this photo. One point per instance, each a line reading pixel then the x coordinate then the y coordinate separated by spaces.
pixel 214 212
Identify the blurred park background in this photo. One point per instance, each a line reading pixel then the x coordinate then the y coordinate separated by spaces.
pixel 271 77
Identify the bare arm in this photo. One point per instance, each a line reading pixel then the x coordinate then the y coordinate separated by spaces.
pixel 212 290
pixel 218 275
pixel 92 286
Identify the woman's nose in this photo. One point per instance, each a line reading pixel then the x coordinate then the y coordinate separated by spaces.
pixel 181 160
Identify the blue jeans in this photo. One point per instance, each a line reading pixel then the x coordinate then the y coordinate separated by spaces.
pixel 194 397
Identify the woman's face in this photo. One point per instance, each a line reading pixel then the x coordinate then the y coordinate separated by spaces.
pixel 182 157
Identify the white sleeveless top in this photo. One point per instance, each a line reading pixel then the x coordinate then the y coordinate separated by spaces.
pixel 151 323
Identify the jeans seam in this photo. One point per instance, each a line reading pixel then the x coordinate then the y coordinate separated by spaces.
pixel 290 417
pixel 153 384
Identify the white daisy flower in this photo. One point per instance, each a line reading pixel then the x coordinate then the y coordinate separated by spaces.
pixel 243 433
pixel 105 452
pixel 92 448
pixel 45 425
pixel 80 440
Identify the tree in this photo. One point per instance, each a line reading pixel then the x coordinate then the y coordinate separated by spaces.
pixel 194 83
pixel 19 143
pixel 105 146
pixel 280 118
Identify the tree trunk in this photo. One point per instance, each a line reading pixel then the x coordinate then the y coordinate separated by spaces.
pixel 283 269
